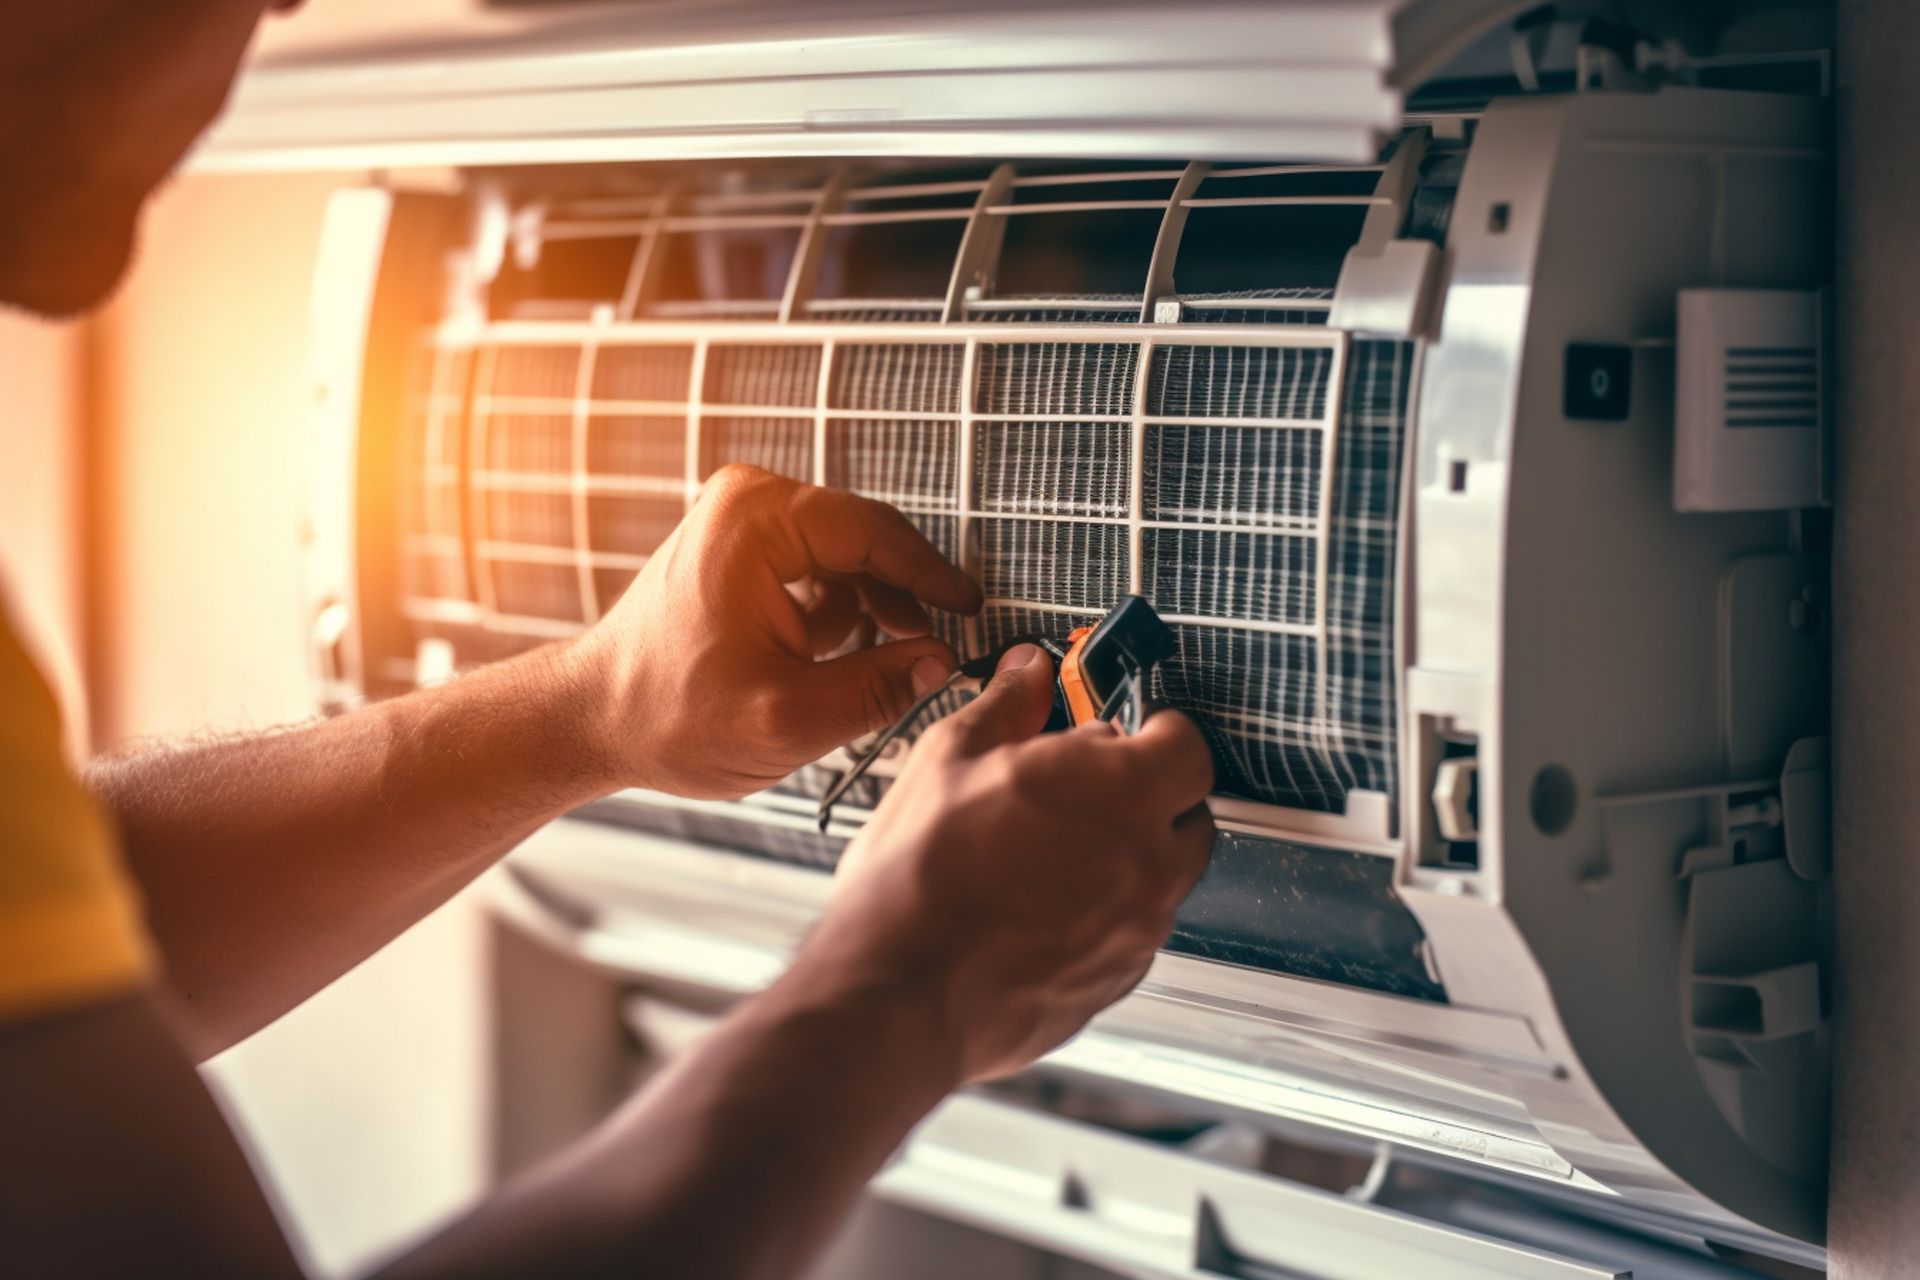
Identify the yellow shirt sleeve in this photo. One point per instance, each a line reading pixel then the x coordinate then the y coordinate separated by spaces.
pixel 70 925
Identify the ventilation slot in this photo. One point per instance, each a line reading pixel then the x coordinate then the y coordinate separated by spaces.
pixel 1773 387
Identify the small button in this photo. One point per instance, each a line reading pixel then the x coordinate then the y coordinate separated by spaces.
pixel 1599 381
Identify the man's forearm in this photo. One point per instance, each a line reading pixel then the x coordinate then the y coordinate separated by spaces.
pixel 738 1160
pixel 272 863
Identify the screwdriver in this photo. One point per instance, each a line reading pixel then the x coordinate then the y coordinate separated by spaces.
pixel 975 670
pixel 1101 673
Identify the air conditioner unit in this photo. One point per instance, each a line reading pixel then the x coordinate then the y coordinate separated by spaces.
pixel 1455 388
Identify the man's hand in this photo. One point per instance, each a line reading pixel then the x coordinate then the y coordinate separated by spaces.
pixel 1014 885
pixel 1008 888
pixel 711 659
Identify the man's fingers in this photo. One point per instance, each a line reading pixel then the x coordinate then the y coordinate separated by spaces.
pixel 1193 839
pixel 830 614
pixel 865 691
pixel 830 606
pixel 1014 706
pixel 1171 758
pixel 896 611
pixel 844 533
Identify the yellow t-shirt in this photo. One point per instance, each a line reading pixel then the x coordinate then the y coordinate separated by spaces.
pixel 70 926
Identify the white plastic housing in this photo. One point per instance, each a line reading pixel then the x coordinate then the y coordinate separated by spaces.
pixel 1750 430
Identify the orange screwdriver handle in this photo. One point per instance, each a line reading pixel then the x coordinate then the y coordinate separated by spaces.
pixel 1081 706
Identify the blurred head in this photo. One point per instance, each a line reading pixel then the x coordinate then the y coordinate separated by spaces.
pixel 99 100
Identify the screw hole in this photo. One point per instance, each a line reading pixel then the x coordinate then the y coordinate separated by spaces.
pixel 1499 217
pixel 1552 799
pixel 1457 477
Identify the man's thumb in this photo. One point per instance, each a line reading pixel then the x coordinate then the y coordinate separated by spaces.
pixel 1015 704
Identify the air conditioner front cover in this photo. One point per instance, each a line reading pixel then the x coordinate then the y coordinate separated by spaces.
pixel 461 82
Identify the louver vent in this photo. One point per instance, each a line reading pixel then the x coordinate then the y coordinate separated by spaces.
pixel 1773 387
pixel 1244 475
pixel 1751 401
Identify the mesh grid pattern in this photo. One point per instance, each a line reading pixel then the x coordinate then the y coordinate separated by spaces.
pixel 623 445
pixel 900 377
pixel 1288 383
pixel 1362 706
pixel 1196 311
pixel 1003 624
pixel 783 446
pixel 1255 694
pixel 1043 314
pixel 1047 309
pixel 907 462
pixel 1231 523
pixel 643 372
pixel 423 378
pixel 1258 691
pixel 1232 475
pixel 541 443
pixel 1231 512
pixel 433 563
pixel 541 519
pixel 869 315
pixel 1257 576
pixel 541 372
pixel 1253 315
pixel 1053 468
pixel 786 373
pixel 1083 565
pixel 1048 378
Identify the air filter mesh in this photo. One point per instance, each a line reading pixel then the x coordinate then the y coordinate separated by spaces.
pixel 1278 577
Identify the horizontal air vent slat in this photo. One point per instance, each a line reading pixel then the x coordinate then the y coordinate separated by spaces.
pixel 1771 387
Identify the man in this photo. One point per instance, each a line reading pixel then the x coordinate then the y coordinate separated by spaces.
pixel 1010 887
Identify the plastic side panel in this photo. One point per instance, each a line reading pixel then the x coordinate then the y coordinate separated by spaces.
pixel 346 274
pixel 1303 79
pixel 406 298
pixel 1610 633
